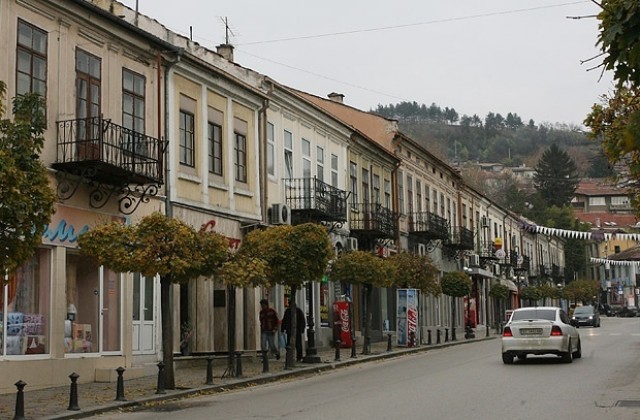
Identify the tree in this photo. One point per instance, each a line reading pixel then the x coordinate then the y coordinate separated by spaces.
pixel 294 256
pixel 360 267
pixel 532 294
pixel 556 177
pixel 27 199
pixel 414 271
pixel 616 121
pixel 455 284
pixel 158 245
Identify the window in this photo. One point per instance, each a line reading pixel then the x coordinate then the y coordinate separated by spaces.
pixel 620 201
pixel 442 213
pixel 31 61
pixel 187 139
pixel 449 212
pixel 271 146
pixel 400 192
pixel 133 113
pixel 409 194
pixel 288 154
pixel 214 134
pixel 387 194
pixel 464 216
pixel 88 75
pixel 320 163
pixel 435 201
pixel 240 152
pixel 353 176
pixel 427 198
pixel 419 196
pixel 376 189
pixel 597 201
pixel 334 170
pixel 365 185
pixel 306 158
pixel 25 307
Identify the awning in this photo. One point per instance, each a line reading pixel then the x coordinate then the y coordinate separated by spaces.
pixel 477 271
pixel 511 285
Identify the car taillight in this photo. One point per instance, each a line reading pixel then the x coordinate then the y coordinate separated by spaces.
pixel 507 332
pixel 556 331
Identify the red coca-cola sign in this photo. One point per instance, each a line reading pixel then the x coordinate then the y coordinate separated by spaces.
pixel 341 316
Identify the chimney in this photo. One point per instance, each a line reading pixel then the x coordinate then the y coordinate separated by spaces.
pixel 597 222
pixel 336 97
pixel 226 51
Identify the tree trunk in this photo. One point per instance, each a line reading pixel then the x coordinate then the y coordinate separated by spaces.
pixel 293 316
pixel 453 318
pixel 368 294
pixel 231 330
pixel 167 331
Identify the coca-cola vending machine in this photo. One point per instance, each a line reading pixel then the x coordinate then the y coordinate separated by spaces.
pixel 407 317
pixel 342 323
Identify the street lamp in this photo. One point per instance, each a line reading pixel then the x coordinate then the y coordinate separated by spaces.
pixel 312 351
pixel 468 330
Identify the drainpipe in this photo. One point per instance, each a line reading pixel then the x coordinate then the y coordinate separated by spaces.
pixel 167 155
pixel 264 175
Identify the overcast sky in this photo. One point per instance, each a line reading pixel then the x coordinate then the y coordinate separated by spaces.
pixel 476 56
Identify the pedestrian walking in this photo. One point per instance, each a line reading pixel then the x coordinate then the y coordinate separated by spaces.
pixel 300 326
pixel 268 328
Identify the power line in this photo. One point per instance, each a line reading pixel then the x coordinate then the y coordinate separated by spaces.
pixel 408 25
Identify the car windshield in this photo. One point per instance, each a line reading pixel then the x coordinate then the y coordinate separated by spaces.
pixel 583 310
pixel 534 313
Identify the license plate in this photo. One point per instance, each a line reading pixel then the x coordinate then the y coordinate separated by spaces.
pixel 530 331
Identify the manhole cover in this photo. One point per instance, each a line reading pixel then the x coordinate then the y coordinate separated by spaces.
pixel 628 403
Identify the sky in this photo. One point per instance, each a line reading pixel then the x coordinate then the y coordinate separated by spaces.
pixel 529 57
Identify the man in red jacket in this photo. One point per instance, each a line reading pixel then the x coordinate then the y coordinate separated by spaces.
pixel 268 327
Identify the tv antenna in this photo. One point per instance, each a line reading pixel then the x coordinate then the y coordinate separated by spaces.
pixel 227 30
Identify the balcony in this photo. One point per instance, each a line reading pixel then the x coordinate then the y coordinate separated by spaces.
pixel 461 238
pixel 428 226
pixel 110 158
pixel 312 200
pixel 373 221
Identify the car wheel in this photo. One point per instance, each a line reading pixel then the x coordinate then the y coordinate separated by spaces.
pixel 567 356
pixel 578 353
pixel 507 358
pixel 522 356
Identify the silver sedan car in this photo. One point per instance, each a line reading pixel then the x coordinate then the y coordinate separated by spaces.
pixel 540 330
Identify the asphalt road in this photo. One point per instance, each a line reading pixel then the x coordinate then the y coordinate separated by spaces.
pixel 460 382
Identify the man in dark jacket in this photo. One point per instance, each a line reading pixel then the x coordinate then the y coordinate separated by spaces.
pixel 300 326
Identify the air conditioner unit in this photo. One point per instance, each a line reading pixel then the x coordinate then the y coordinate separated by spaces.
pixel 280 214
pixel 421 250
pixel 474 260
pixel 352 244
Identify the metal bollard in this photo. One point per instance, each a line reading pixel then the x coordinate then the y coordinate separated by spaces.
pixel 239 364
pixel 160 386
pixel 265 361
pixel 446 335
pixel 209 380
pixel 73 395
pixel 120 385
pixel 338 343
pixel 353 348
pixel 429 337
pixel 438 336
pixel 19 413
pixel 388 342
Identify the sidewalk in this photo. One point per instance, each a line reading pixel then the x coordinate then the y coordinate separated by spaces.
pixel 190 375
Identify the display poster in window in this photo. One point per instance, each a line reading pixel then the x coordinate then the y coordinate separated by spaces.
pixel 407 317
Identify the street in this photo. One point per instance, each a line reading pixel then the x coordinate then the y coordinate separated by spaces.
pixel 460 382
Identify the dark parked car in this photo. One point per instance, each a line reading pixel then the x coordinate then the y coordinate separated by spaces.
pixel 585 315
pixel 628 311
pixel 605 309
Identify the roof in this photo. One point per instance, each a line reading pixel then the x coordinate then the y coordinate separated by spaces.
pixel 608 220
pixel 598 186
pixel 631 254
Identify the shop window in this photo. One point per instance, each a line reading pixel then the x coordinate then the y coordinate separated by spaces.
pixel 25 308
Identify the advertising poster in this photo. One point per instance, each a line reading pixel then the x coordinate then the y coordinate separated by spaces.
pixel 342 323
pixel 407 317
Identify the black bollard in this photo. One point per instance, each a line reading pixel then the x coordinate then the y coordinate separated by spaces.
pixel 239 364
pixel 438 336
pixel 73 395
pixel 160 387
pixel 265 361
pixel 446 335
pixel 19 414
pixel 353 348
pixel 209 380
pixel 120 385
pixel 388 342
pixel 338 343
pixel 429 337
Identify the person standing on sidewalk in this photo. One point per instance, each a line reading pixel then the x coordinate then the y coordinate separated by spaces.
pixel 268 328
pixel 300 326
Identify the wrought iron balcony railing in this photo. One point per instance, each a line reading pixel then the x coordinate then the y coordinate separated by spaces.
pixel 373 221
pixel 312 200
pixel 460 238
pixel 108 153
pixel 428 225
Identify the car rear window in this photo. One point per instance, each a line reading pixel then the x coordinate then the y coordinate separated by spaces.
pixel 533 313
